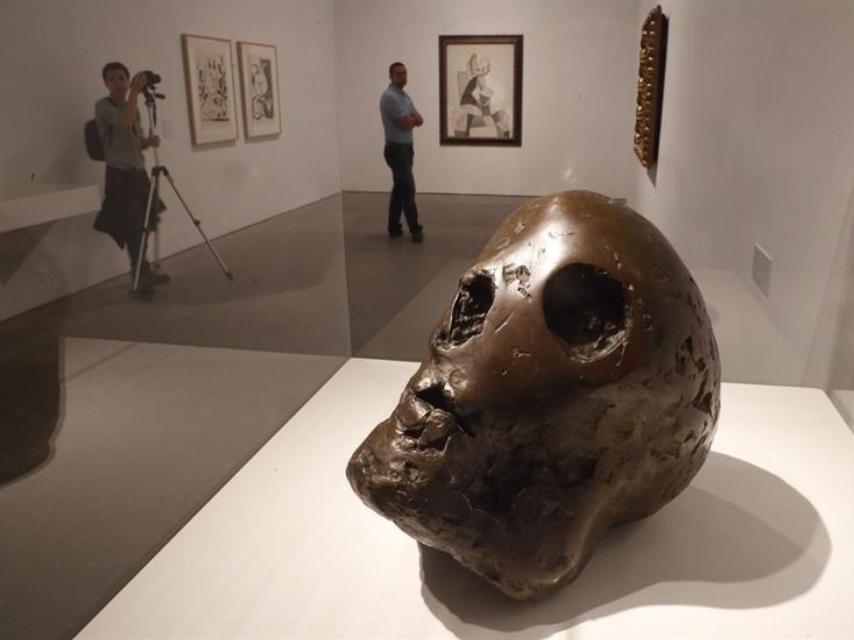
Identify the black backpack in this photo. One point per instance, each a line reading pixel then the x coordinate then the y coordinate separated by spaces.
pixel 92 138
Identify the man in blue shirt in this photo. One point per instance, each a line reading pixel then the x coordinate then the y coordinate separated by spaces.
pixel 399 119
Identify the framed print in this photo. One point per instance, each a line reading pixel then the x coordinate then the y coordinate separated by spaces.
pixel 480 90
pixel 259 84
pixel 210 89
pixel 653 54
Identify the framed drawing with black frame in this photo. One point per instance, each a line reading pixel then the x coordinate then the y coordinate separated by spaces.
pixel 210 88
pixel 480 90
pixel 259 84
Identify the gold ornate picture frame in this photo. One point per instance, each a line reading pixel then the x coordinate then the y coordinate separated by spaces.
pixel 653 54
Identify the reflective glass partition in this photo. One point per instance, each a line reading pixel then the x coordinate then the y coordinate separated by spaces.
pixel 123 415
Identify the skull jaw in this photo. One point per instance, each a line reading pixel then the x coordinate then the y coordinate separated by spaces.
pixel 525 548
pixel 523 565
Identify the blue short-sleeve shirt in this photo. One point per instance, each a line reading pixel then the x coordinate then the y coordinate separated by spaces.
pixel 395 103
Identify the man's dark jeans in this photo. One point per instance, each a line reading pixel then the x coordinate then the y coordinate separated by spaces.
pixel 400 158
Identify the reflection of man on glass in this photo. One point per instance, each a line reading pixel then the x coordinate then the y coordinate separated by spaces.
pixel 399 119
pixel 126 185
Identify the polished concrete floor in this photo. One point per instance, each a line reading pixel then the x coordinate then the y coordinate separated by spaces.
pixel 122 417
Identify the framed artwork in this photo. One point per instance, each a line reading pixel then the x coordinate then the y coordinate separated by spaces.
pixel 480 90
pixel 210 89
pixel 653 53
pixel 259 84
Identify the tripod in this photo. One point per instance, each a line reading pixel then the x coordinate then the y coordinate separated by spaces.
pixel 154 197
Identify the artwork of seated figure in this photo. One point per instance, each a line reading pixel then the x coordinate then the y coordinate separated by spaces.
pixel 572 385
pixel 479 106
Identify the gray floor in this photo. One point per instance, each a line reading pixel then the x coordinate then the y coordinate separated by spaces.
pixel 121 418
pixel 397 289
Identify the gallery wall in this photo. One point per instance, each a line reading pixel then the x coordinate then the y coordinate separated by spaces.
pixel 578 97
pixel 53 52
pixel 757 146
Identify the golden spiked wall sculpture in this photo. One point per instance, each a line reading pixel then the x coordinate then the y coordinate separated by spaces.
pixel 653 51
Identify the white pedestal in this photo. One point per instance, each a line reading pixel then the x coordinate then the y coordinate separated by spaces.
pixel 760 545
pixel 39 203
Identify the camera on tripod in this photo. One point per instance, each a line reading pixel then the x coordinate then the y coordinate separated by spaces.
pixel 150 78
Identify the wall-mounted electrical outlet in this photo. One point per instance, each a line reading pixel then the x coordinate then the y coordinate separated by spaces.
pixel 762 269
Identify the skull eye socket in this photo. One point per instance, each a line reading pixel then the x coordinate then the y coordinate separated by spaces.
pixel 471 305
pixel 586 309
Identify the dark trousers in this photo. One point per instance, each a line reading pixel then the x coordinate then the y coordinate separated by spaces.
pixel 122 215
pixel 400 158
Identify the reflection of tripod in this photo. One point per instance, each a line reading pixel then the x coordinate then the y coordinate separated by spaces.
pixel 154 198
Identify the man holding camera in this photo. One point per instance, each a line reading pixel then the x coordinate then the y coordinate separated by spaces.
pixel 126 188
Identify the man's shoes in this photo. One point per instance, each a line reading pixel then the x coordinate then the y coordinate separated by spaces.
pixel 395 233
pixel 418 235
pixel 158 277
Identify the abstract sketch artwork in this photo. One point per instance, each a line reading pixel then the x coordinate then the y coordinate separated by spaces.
pixel 262 90
pixel 210 89
pixel 260 86
pixel 480 89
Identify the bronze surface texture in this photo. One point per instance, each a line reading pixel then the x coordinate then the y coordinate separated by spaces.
pixel 572 385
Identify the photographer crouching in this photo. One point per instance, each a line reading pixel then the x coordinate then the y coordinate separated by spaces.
pixel 126 188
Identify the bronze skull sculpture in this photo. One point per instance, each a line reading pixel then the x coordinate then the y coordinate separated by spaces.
pixel 573 385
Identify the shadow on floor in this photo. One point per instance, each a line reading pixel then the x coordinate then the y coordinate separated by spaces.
pixel 736 524
pixel 30 400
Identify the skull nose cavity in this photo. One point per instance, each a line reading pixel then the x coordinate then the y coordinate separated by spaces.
pixel 435 396
pixel 587 310
pixel 471 305
pixel 438 397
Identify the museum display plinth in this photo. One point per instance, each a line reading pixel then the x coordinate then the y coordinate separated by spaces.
pixel 758 546
pixel 34 204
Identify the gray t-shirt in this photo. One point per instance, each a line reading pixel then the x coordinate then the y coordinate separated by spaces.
pixel 395 103
pixel 122 145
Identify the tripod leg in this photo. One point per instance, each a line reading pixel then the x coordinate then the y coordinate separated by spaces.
pixel 144 239
pixel 198 224
pixel 156 261
pixel 155 202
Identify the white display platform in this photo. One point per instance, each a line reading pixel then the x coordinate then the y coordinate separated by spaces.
pixel 34 204
pixel 760 545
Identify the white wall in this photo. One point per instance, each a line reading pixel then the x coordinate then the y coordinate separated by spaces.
pixel 52 55
pixel 580 62
pixel 757 146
